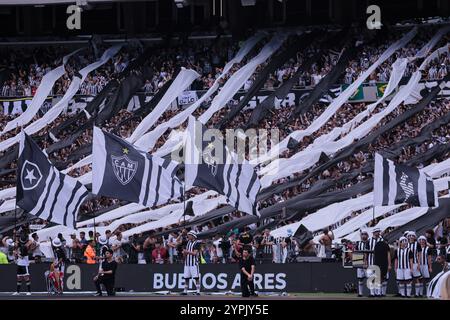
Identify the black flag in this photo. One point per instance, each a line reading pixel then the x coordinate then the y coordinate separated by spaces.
pixel 396 184
pixel 124 172
pixel 212 166
pixel 189 211
pixel 42 190
pixel 303 236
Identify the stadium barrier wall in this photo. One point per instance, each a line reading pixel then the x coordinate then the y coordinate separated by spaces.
pixel 328 277
pixel 366 93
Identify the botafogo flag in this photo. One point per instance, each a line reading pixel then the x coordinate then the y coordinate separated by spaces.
pixel 42 190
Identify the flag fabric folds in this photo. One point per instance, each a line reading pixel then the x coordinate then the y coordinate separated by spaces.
pixel 42 190
pixel 122 171
pixel 396 184
pixel 212 166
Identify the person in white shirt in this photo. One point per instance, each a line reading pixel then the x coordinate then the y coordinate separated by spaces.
pixel 172 247
pixel 219 252
pixel 116 246
pixel 35 248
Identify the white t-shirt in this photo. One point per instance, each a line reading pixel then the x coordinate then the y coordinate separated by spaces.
pixel 37 250
pixel 118 252
pixel 219 251
pixel 172 239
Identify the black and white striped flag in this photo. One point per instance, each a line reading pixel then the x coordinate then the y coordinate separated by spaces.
pixel 331 94
pixel 121 171
pixel 396 184
pixel 210 165
pixel 42 190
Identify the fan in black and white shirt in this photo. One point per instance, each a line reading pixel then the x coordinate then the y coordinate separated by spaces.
pixel 376 237
pixel 403 267
pixel 267 245
pixel 425 265
pixel 191 262
pixel 362 246
pixel 415 247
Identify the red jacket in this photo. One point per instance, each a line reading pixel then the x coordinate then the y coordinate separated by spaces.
pixel 159 255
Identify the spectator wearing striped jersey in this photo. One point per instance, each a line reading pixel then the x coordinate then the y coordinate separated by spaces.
pixel 267 244
pixel 376 237
pixel 425 263
pixel 404 267
pixel 362 246
pixel 191 269
pixel 288 247
pixel 414 246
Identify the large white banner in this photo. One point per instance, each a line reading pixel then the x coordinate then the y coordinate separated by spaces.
pixel 42 92
pixel 56 110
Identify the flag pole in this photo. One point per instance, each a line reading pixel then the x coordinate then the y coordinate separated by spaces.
pixel 95 230
pixel 373 214
pixel 15 221
pixel 184 204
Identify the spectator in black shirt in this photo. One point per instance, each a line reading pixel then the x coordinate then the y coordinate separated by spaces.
pixel 106 275
pixel 382 258
pixel 258 247
pixel 182 242
pixel 245 239
pixel 247 268
pixel 133 249
pixel 431 242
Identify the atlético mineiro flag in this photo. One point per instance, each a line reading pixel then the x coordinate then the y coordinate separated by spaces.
pixel 396 184
pixel 42 190
pixel 122 171
pixel 210 165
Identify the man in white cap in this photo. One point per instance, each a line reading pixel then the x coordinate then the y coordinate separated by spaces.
pixel 191 269
pixel 414 246
pixel 403 267
pixel 362 246
pixel 58 266
pixel 425 266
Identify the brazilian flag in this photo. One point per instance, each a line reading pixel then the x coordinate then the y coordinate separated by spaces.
pixel 381 87
pixel 357 95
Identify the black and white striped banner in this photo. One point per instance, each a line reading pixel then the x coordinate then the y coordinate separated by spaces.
pixel 121 171
pixel 396 184
pixel 332 94
pixel 213 166
pixel 42 190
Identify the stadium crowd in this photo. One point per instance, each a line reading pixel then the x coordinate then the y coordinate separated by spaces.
pixel 208 59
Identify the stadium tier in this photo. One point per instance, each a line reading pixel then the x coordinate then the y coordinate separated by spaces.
pixel 285 145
